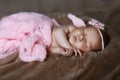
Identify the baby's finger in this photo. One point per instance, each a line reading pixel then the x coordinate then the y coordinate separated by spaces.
pixel 70 51
pixel 79 52
pixel 75 52
pixel 67 52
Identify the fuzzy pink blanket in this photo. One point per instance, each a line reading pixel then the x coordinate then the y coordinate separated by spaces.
pixel 28 33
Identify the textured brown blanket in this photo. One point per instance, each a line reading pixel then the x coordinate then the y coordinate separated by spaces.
pixel 103 65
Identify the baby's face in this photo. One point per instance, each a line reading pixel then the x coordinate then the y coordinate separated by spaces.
pixel 85 38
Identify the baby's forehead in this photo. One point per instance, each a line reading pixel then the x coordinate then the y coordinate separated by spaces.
pixel 91 29
pixel 93 36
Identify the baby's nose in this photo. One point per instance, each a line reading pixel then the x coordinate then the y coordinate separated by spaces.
pixel 81 37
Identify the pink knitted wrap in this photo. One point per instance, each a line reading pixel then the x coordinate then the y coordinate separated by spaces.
pixel 28 33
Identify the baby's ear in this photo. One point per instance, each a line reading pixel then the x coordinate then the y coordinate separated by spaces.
pixel 76 20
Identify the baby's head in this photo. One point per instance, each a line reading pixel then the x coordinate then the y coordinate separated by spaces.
pixel 86 38
pixel 89 35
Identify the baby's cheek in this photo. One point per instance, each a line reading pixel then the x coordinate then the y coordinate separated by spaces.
pixel 82 47
pixel 77 45
pixel 87 49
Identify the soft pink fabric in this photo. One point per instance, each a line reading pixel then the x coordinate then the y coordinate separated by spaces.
pixel 26 32
pixel 78 22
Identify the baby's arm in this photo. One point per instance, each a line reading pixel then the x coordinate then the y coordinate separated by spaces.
pixel 60 35
pixel 59 50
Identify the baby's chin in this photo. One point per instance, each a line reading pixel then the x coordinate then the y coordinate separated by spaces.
pixel 86 50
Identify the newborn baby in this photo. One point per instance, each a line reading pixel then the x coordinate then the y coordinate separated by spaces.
pixel 77 38
pixel 31 34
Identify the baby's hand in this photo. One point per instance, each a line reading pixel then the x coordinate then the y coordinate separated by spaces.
pixel 77 52
pixel 70 51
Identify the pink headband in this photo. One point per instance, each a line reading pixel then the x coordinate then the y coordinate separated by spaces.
pixel 98 26
pixel 78 22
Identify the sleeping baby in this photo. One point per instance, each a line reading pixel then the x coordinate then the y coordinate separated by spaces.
pixel 33 35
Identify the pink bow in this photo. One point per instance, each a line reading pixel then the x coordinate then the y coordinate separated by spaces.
pixel 96 24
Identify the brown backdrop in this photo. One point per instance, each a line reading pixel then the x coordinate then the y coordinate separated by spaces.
pixel 103 65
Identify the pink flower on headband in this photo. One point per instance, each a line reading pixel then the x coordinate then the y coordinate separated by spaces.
pixel 96 24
